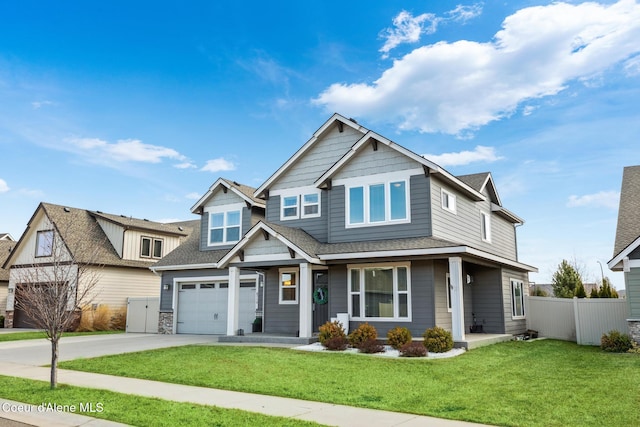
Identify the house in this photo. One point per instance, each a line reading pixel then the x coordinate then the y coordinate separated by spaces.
pixel 6 245
pixel 626 252
pixel 118 248
pixel 352 226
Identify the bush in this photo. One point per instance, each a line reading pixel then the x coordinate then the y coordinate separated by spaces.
pixel 331 330
pixel 361 334
pixel 371 346
pixel 438 340
pixel 119 319
pixel 398 337
pixel 413 349
pixel 336 343
pixel 616 342
pixel 101 318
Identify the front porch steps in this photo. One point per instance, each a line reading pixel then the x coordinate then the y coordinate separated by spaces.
pixel 260 338
pixel 472 341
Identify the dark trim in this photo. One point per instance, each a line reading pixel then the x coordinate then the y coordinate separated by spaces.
pixel 265 233
pixel 340 126
pixel 374 144
pixel 241 254
pixel 292 253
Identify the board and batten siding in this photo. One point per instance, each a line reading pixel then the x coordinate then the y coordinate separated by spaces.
pixel 116 284
pixel 632 281
pixel 465 225
pixel 318 159
pixel 115 234
pixel 513 326
pixel 420 225
pixel 133 243
pixel 316 227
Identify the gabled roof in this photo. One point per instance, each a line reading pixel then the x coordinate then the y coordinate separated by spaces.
pixel 336 119
pixel 243 191
pixel 5 249
pixel 79 230
pixel 6 236
pixel 128 222
pixel 628 228
pixel 480 182
pixel 372 137
pixel 316 252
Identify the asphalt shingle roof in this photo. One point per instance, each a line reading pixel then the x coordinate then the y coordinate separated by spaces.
pixel 189 253
pixel 5 248
pixel 628 228
pixel 142 224
pixel 475 180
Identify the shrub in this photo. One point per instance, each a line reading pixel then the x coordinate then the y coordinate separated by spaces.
pixel 86 320
pixel 337 343
pixel 398 337
pixel 371 346
pixel 413 349
pixel 438 340
pixel 616 342
pixel 102 318
pixel 119 319
pixel 331 330
pixel 361 334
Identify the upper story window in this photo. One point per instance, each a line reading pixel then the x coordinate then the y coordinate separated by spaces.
pixel 517 299
pixel 377 203
pixel 448 201
pixel 151 247
pixel 485 226
pixel 302 204
pixel 224 225
pixel 379 292
pixel 44 243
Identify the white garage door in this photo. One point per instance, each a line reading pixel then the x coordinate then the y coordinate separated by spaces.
pixel 202 307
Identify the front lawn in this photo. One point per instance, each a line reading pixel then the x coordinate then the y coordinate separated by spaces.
pixel 133 410
pixel 19 336
pixel 541 383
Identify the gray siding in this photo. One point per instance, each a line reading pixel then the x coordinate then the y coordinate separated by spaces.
pixel 318 158
pixel 278 318
pixel 635 254
pixel 632 285
pixel 317 227
pixel 420 224
pixel 204 230
pixel 512 326
pixel 487 299
pixel 382 160
pixel 166 297
pixel 464 226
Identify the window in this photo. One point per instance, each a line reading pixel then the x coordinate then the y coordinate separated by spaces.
pixel 288 287
pixel 44 243
pixel 224 227
pixel 376 204
pixel 517 299
pixel 305 205
pixel 448 284
pixel 448 201
pixel 150 247
pixel 379 292
pixel 485 226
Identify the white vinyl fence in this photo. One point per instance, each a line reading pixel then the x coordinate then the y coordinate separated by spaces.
pixel 582 320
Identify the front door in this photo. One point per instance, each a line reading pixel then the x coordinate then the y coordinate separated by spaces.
pixel 320 299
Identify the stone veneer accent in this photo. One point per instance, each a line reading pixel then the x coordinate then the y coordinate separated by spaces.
pixel 634 330
pixel 165 322
pixel 8 319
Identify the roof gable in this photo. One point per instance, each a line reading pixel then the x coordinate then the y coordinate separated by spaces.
pixel 245 192
pixel 628 227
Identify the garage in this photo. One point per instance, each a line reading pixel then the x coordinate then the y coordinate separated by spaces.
pixel 202 307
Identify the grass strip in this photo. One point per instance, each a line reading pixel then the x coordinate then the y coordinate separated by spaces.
pixel 19 336
pixel 541 383
pixel 134 410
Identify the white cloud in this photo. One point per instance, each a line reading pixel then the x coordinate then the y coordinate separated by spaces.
pixel 125 150
pixel 217 165
pixel 3 186
pixel 193 196
pixel 185 165
pixel 461 86
pixel 605 199
pixel 479 154
pixel 632 66
pixel 465 13
pixel 39 104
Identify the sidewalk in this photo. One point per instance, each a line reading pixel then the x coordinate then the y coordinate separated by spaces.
pixel 322 413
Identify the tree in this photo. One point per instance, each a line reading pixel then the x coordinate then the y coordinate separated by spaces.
pixel 52 289
pixel 606 290
pixel 580 291
pixel 566 281
pixel 594 292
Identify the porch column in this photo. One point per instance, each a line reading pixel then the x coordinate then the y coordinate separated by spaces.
pixel 457 300
pixel 305 302
pixel 233 301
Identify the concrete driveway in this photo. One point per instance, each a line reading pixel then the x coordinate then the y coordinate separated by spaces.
pixel 38 352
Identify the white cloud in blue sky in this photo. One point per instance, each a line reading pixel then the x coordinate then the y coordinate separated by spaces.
pixel 464 85
pixel 479 154
pixel 218 165
pixel 126 150
pixel 604 199
pixel 3 186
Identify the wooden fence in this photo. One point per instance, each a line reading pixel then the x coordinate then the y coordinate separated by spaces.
pixel 582 320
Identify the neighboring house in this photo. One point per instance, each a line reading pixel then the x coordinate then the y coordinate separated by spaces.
pixel 355 226
pixel 626 252
pixel 6 245
pixel 119 248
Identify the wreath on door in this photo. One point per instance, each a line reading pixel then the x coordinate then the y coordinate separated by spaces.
pixel 321 296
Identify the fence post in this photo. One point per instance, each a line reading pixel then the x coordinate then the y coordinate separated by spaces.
pixel 576 315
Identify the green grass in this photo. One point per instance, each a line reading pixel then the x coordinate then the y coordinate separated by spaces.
pixel 541 383
pixel 19 336
pixel 135 410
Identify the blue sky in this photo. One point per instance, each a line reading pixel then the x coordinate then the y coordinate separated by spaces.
pixel 136 108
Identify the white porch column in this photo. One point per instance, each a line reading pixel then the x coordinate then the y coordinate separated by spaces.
pixel 233 301
pixel 305 302
pixel 457 300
